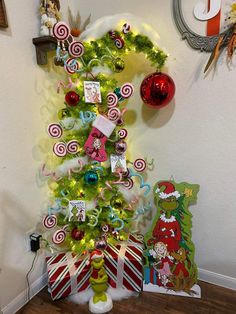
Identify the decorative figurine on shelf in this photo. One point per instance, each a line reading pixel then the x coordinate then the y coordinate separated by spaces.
pixel 100 302
pixel 49 11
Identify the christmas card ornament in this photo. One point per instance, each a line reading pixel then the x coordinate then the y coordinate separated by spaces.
pixel 157 90
pixel 72 99
pixel 77 210
pixel 91 177
pixel 100 302
pixel 95 144
pixel 92 92
pixel 118 163
pixel 170 266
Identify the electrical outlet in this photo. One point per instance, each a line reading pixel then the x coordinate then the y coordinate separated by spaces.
pixel 27 240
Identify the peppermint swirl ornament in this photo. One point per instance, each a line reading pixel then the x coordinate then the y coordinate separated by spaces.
pixel 140 165
pixel 59 236
pixel 76 49
pixel 119 42
pixel 113 114
pixel 55 130
pixel 61 31
pixel 128 184
pixel 122 133
pixel 59 149
pixel 126 90
pixel 72 146
pixel 50 221
pixel 112 100
pixel 71 66
pixel 126 174
pixel 126 28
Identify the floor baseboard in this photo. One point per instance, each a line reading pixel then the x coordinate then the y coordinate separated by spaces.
pixel 217 279
pixel 21 299
pixel 40 283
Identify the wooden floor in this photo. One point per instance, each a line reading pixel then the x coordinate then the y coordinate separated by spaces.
pixel 215 300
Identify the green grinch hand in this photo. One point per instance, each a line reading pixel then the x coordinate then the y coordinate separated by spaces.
pixel 98 278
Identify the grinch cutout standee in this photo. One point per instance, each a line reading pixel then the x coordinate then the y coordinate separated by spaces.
pixel 170 266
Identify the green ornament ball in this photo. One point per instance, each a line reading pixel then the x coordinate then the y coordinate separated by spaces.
pixel 91 177
pixel 64 113
pixel 116 202
pixel 119 65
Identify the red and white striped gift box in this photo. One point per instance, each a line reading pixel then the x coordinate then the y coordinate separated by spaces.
pixel 67 274
pixel 124 266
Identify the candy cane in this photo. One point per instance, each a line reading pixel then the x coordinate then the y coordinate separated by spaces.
pixel 62 84
pixel 46 173
pixel 87 116
pixel 114 218
pixel 142 183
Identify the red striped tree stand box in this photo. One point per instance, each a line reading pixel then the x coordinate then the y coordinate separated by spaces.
pixel 68 274
pixel 124 266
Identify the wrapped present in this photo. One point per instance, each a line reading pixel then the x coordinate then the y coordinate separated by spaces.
pixel 68 274
pixel 136 239
pixel 124 265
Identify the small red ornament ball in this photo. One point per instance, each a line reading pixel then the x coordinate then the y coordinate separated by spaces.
pixel 157 90
pixel 72 98
pixel 77 234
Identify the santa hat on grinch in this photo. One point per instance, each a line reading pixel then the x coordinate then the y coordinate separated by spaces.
pixel 95 254
pixel 168 191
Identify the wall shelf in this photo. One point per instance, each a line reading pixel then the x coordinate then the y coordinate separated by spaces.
pixel 43 45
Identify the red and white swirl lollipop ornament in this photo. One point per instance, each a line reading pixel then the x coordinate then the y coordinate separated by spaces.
pixel 61 31
pixel 60 149
pixel 140 165
pixel 50 221
pixel 76 49
pixel 59 236
pixel 119 42
pixel 126 28
pixel 128 184
pixel 126 90
pixel 72 147
pixel 55 130
pixel 71 66
pixel 122 133
pixel 113 114
pixel 112 100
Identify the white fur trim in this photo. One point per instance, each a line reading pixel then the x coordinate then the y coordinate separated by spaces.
pixel 94 256
pixel 116 295
pixel 104 125
pixel 171 219
pixel 163 195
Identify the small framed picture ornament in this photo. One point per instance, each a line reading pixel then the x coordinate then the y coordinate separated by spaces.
pixel 92 92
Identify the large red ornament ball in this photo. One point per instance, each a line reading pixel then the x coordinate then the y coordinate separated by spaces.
pixel 77 234
pixel 72 98
pixel 157 90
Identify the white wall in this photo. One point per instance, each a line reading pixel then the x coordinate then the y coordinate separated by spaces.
pixel 193 139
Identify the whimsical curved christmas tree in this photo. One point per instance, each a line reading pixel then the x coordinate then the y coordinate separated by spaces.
pixel 98 194
pixel 91 180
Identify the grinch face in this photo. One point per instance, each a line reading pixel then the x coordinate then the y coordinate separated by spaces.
pixel 168 204
pixel 97 263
